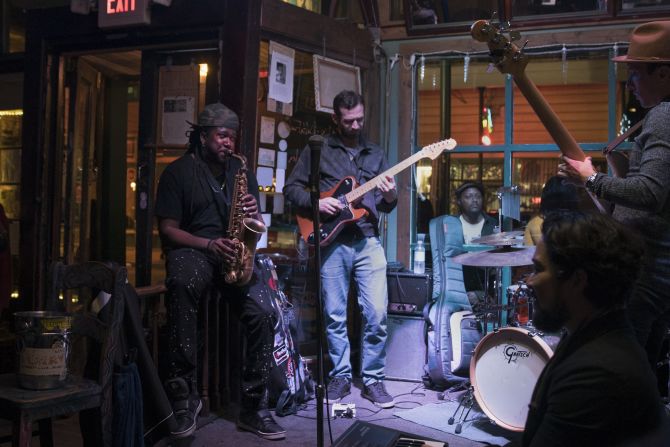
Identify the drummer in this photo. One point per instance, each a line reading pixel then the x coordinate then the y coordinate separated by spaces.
pixel 598 388
pixel 475 223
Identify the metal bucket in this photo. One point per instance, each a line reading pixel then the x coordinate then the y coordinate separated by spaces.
pixel 43 347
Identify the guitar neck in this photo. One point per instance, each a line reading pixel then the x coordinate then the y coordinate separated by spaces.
pixel 371 184
pixel 566 143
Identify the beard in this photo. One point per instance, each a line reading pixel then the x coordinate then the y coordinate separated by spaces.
pixel 550 321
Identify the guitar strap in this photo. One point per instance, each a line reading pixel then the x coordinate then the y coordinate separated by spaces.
pixel 608 150
pixel 621 138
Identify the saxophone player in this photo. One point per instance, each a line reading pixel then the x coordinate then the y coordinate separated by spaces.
pixel 194 204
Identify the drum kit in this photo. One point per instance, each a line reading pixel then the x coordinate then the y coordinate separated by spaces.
pixel 508 360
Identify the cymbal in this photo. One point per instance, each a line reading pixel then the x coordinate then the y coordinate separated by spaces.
pixel 500 239
pixel 507 256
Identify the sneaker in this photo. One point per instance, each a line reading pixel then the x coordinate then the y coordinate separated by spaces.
pixel 376 392
pixel 261 423
pixel 186 407
pixel 337 389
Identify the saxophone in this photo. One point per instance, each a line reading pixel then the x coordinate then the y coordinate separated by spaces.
pixel 243 231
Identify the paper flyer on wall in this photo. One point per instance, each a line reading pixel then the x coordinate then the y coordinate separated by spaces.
pixel 281 77
pixel 176 111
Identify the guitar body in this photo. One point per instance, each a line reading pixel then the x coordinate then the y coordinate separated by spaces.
pixel 329 228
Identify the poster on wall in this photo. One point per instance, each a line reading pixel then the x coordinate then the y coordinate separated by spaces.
pixel 177 110
pixel 280 79
pixel 266 157
pixel 267 129
pixel 276 105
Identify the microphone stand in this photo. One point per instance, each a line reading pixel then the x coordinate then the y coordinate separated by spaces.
pixel 314 196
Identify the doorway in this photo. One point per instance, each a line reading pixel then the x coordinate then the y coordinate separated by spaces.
pixel 99 157
pixel 108 178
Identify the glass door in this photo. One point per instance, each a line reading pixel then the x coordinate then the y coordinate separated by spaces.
pixel 80 164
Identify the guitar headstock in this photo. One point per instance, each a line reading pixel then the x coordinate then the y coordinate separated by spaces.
pixel 433 150
pixel 507 57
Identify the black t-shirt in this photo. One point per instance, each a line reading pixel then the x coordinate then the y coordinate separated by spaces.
pixel 191 195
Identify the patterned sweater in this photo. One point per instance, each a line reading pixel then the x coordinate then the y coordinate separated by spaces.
pixel 642 197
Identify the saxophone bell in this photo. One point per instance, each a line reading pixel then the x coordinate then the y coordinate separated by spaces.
pixel 254 226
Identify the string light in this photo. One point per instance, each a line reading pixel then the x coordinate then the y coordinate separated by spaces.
pixel 564 64
pixel 422 68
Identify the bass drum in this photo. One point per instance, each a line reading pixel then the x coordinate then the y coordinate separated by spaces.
pixel 504 370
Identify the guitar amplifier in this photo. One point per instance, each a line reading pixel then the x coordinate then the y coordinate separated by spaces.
pixel 408 291
pixel 405 348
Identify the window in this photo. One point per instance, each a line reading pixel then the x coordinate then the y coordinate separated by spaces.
pixel 576 91
pixel 456 16
pixel 461 100
pixel 557 7
pixel 310 5
pixel 636 6
pixel 13 33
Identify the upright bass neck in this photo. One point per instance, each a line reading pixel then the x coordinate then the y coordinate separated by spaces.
pixel 566 143
pixel 509 58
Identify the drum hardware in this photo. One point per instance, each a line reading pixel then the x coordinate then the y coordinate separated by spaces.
pixel 467 401
pixel 505 256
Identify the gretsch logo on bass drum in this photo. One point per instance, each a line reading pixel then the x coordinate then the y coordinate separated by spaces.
pixel 513 352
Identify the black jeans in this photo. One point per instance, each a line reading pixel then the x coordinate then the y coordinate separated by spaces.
pixel 189 273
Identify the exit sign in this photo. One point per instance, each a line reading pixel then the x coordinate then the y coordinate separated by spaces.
pixel 114 13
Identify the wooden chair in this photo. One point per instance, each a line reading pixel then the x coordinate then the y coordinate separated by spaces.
pixel 24 407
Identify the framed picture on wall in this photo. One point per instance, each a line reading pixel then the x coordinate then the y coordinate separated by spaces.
pixel 330 78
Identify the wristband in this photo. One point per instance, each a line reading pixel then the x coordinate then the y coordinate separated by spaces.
pixel 209 243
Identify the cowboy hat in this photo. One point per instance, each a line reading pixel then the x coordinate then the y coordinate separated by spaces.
pixel 650 42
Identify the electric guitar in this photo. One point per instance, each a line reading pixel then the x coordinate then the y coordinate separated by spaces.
pixel 510 59
pixel 348 192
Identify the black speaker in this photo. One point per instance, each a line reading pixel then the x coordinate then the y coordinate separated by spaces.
pixel 408 291
pixel 405 347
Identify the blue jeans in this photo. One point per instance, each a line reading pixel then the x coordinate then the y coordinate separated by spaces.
pixel 363 260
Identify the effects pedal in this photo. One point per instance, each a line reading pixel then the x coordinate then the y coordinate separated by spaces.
pixel 343 411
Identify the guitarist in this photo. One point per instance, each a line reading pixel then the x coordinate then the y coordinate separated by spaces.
pixel 642 195
pixel 356 252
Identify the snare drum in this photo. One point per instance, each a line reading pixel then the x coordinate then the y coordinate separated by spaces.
pixel 504 370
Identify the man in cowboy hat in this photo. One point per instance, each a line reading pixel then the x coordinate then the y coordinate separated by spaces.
pixel 193 204
pixel 642 196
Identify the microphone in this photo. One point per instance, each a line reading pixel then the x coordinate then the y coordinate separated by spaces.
pixel 315 144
